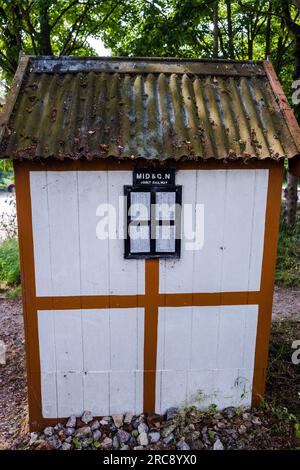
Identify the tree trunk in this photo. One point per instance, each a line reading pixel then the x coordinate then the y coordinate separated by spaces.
pixel 45 30
pixel 291 198
pixel 291 192
pixel 216 30
pixel 268 32
pixel 230 32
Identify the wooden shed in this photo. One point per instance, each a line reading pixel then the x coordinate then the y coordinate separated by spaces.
pixel 141 324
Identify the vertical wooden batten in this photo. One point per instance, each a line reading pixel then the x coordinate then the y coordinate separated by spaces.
pixel 29 295
pixel 150 332
pixel 267 282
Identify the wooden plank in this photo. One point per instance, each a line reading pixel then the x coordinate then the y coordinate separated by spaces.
pixel 41 232
pixel 64 233
pixel 94 256
pixel 258 229
pixel 267 282
pixel 236 244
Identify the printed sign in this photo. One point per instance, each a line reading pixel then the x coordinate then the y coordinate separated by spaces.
pixel 156 177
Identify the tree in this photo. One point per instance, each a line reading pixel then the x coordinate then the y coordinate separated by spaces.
pixel 230 30
pixel 242 29
pixel 291 191
pixel 216 30
pixel 47 27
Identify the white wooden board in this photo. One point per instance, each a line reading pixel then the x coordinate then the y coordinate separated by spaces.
pixel 69 257
pixel 205 355
pixel 91 359
pixel 230 260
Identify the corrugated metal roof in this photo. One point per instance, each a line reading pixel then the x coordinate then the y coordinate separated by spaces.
pixel 146 108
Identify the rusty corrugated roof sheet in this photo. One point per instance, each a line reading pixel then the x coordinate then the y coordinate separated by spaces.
pixel 146 108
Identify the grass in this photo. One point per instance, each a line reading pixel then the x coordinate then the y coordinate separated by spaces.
pixel 288 255
pixel 9 262
pixel 283 379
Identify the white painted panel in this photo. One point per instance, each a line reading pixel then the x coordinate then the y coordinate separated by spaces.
pixel 49 395
pixel 139 391
pixel 46 330
pixel 175 275
pixel 69 258
pixel 96 340
pixel 124 333
pixel 96 392
pixel 94 260
pixel 64 232
pixel 200 387
pixel 41 235
pixel 211 186
pixel 125 276
pixel 173 388
pixel 68 340
pixel 158 408
pixel 96 359
pixel 258 228
pixel 231 337
pixel 234 204
pixel 237 336
pixel 239 202
pixel 204 338
pixel 205 355
pixel 244 387
pixel 177 338
pixel 233 387
pixel 251 320
pixel 122 392
pixel 69 394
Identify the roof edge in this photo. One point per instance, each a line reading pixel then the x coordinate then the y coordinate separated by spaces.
pixel 286 110
pixel 67 64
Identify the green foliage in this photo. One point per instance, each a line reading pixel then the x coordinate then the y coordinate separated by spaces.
pixel 288 254
pixel 248 29
pixel 5 166
pixel 14 293
pixel 212 409
pixel 76 443
pixel 6 178
pixel 96 444
pixel 9 262
pixel 184 28
pixel 53 27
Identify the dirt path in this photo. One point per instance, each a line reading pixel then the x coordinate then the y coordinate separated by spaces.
pixel 286 304
pixel 13 400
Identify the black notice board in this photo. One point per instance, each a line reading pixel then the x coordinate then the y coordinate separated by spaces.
pixel 145 177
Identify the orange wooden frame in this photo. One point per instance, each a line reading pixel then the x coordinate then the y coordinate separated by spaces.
pixel 152 299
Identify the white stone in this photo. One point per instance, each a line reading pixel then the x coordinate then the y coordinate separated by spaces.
pixel 2 353
pixel 118 420
pixel 66 446
pixel 87 417
pixel 218 445
pixel 71 423
pixel 143 439
pixel 33 437
pixel 128 418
